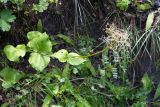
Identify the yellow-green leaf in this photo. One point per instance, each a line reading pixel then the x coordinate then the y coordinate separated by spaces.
pixel 38 61
pixel 61 55
pixel 13 53
pixel 75 59
pixel 149 21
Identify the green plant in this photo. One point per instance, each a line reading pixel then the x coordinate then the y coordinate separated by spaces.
pixel 147 43
pixel 123 4
pixel 55 88
pixel 138 4
pixel 150 20
pixel 40 48
pixel 43 5
pixel 118 44
pixel 10 77
pixel 6 18
pixel 150 23
pixel 85 44
pixel 144 5
pixel 78 82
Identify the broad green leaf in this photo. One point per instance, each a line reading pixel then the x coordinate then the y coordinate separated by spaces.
pixel 34 34
pixel 38 61
pixel 10 52
pixel 75 59
pixel 147 82
pixel 41 6
pixel 157 94
pixel 72 58
pixel 149 21
pixel 21 50
pixel 6 18
pixel 13 53
pixel 61 55
pixel 39 42
pixel 66 39
pixel 4 25
pixel 7 15
pixel 122 4
pixel 10 77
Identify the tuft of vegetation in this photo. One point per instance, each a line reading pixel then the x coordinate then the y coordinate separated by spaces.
pixel 93 53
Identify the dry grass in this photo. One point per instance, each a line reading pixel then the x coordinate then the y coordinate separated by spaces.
pixel 117 39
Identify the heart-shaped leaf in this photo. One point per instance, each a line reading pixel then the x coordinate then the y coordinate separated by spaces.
pixel 72 58
pixel 61 55
pixel 38 61
pixel 21 50
pixel 75 59
pixel 13 53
